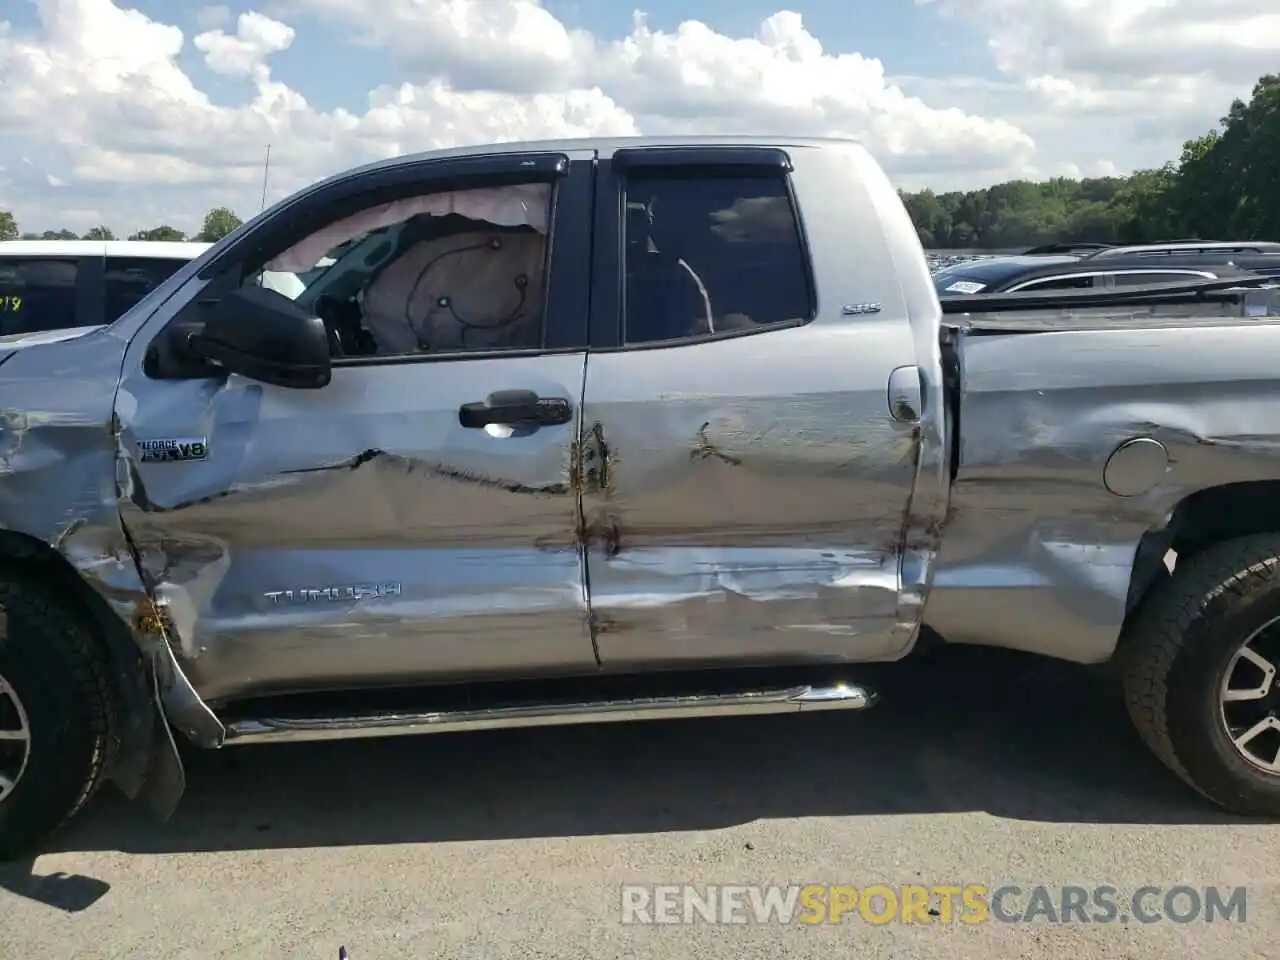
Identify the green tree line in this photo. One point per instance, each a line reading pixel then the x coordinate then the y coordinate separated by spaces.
pixel 1223 186
pixel 218 222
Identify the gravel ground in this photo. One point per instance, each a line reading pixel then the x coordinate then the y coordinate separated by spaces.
pixel 980 768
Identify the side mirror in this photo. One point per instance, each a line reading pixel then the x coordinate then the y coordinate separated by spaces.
pixel 265 336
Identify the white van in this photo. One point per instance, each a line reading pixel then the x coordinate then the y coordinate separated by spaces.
pixel 74 285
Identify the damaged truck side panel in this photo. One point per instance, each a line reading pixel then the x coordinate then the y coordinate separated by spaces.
pixel 763 487
pixel 362 535
pixel 479 542
pixel 1054 498
pixel 591 526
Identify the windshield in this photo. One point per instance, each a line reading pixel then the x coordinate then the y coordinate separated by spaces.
pixel 330 259
pixel 295 285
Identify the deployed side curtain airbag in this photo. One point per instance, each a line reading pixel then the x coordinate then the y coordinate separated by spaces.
pixel 476 290
pixel 520 205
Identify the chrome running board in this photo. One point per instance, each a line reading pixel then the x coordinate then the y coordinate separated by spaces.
pixel 797 699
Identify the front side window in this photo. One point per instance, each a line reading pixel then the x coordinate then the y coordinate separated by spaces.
pixel 708 254
pixel 129 279
pixel 461 271
pixel 37 294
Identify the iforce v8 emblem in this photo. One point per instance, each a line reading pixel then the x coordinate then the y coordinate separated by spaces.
pixel 175 450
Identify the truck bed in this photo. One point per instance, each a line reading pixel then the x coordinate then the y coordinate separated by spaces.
pixel 1044 525
pixel 1039 313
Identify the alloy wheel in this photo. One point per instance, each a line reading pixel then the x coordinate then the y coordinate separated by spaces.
pixel 15 739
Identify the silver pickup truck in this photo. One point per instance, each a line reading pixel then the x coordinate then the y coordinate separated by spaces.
pixel 613 429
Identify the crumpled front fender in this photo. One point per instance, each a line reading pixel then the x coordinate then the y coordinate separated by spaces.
pixel 59 495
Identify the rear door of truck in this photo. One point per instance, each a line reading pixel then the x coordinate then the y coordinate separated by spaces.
pixel 746 481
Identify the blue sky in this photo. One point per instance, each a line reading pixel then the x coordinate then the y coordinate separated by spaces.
pixel 116 110
pixel 909 39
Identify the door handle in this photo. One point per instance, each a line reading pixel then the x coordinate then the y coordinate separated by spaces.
pixel 515 408
pixel 904 394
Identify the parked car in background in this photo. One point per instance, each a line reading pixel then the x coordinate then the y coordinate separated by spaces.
pixel 48 285
pixel 1084 267
pixel 1209 248
pixel 72 286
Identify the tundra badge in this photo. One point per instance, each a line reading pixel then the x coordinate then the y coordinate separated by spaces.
pixel 177 449
pixel 346 592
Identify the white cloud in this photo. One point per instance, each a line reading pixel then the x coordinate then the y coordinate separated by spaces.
pixel 97 98
pixel 512 45
pixel 245 54
pixel 1114 84
pixel 1110 44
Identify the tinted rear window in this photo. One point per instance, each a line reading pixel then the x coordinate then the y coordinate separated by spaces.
pixel 36 294
pixel 129 279
pixel 708 254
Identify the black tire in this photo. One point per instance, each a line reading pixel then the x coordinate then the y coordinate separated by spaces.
pixel 1175 653
pixel 61 675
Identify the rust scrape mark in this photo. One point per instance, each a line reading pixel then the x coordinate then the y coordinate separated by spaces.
pixel 597 462
pixel 609 533
pixel 600 624
pixel 151 621
pixel 915 536
pixel 704 449
pixel 604 530
pixel 575 466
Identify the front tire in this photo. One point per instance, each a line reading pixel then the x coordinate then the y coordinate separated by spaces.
pixel 57 714
pixel 1199 666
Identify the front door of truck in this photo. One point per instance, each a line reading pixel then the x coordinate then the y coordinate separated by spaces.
pixel 749 484
pixel 387 528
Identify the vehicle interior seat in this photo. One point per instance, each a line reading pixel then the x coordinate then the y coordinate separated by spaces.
pixel 665 299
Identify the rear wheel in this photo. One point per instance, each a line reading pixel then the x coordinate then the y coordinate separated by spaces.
pixel 15 739
pixel 57 714
pixel 1199 663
